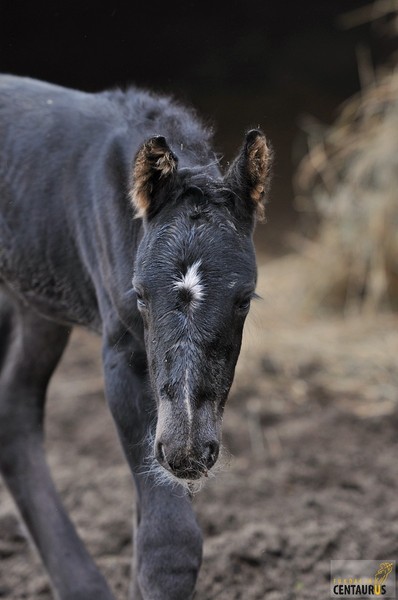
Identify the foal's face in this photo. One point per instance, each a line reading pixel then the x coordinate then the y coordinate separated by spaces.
pixel 194 281
pixel 194 278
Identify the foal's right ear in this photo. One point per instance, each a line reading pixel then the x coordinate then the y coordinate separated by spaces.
pixel 154 168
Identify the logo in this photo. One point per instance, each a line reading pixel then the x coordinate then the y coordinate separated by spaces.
pixel 362 579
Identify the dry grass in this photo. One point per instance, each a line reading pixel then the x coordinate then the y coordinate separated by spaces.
pixel 348 185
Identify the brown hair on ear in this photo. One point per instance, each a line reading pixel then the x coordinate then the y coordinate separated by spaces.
pixel 259 161
pixel 154 164
pixel 250 173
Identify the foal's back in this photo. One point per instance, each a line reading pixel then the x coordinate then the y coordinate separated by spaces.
pixel 65 160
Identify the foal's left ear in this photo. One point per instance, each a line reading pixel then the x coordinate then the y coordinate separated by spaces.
pixel 154 168
pixel 250 173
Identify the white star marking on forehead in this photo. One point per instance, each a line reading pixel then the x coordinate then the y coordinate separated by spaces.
pixel 192 283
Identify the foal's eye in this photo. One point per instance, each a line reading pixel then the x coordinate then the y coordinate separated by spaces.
pixel 244 304
pixel 140 300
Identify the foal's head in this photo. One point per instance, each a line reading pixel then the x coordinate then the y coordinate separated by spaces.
pixel 195 276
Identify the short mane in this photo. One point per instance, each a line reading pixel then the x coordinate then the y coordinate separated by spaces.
pixel 155 114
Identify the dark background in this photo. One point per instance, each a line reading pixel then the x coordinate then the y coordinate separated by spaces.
pixel 241 63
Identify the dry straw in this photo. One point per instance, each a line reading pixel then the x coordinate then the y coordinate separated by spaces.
pixel 348 184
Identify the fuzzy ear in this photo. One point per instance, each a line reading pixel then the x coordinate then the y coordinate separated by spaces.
pixel 154 166
pixel 250 173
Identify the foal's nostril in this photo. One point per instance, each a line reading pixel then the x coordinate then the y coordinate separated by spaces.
pixel 211 454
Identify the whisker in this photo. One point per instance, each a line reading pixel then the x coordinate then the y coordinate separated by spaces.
pixel 114 347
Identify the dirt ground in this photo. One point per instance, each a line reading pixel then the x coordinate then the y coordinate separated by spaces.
pixel 311 431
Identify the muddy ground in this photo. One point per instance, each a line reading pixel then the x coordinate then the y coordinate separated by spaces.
pixel 311 429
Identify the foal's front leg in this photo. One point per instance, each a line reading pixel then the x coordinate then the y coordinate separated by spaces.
pixel 30 351
pixel 167 539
